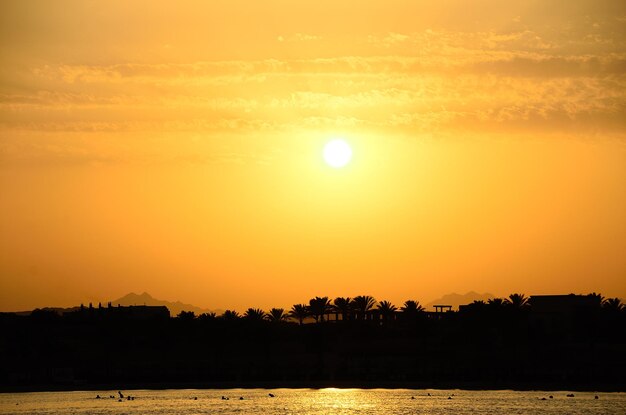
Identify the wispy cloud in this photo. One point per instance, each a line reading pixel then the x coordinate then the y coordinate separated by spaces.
pixel 432 81
pixel 382 97
pixel 298 37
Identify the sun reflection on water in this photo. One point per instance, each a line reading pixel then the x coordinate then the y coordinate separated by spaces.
pixel 313 402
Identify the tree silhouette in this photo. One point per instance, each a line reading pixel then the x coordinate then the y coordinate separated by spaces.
pixel 597 297
pixel 517 301
pixel 362 304
pixel 207 316
pixel 495 309
pixel 299 312
pixel 386 310
pixel 476 306
pixel 496 303
pixel 186 316
pixel 254 314
pixel 318 307
pixel 341 305
pixel 614 305
pixel 412 307
pixel 569 340
pixel 277 315
pixel 230 315
pixel 411 310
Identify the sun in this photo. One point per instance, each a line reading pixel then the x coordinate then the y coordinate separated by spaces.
pixel 337 153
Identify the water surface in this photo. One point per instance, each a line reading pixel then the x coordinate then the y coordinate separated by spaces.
pixel 313 402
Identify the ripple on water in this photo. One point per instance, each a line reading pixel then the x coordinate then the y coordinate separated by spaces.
pixel 314 402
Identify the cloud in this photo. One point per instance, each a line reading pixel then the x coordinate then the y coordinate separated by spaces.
pixel 364 96
pixel 430 82
pixel 298 37
pixel 504 62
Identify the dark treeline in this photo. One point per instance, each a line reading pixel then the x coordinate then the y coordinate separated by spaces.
pixel 548 342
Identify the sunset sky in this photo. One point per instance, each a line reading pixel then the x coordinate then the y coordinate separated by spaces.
pixel 177 149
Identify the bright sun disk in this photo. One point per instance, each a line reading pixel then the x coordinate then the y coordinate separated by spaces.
pixel 337 153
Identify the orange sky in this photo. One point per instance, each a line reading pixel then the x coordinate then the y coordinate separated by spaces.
pixel 177 150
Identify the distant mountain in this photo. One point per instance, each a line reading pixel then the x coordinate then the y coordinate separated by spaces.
pixel 455 300
pixel 174 307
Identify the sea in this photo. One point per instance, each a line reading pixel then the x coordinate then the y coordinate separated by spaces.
pixel 313 401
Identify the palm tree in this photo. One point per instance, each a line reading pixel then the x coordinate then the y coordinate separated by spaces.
pixel 477 305
pixel 411 310
pixel 386 309
pixel 597 298
pixel 207 316
pixel 276 315
pixel 342 305
pixel 230 315
pixel 495 309
pixel 517 301
pixel 362 304
pixel 411 307
pixel 186 316
pixel 613 305
pixel 299 312
pixel 254 314
pixel 496 303
pixel 318 307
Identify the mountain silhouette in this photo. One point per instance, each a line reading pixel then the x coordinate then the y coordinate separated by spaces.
pixel 175 307
pixel 455 300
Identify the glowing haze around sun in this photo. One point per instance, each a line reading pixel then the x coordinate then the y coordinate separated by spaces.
pixel 214 151
pixel 337 153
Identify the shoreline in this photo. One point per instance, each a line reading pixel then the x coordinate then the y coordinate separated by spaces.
pixel 470 386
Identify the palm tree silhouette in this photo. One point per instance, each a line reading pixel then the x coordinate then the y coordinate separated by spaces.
pixel 517 301
pixel 597 298
pixel 342 305
pixel 495 309
pixel 186 315
pixel 362 304
pixel 230 315
pixel 207 316
pixel 254 314
pixel 613 305
pixel 318 307
pixel 496 303
pixel 386 309
pixel 412 307
pixel 411 310
pixel 299 312
pixel 276 315
pixel 478 304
